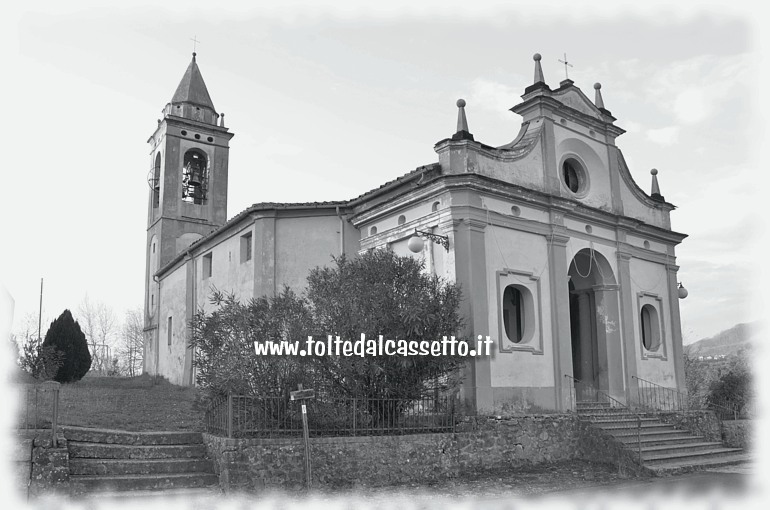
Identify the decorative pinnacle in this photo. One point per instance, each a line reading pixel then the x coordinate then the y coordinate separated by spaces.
pixel 194 55
pixel 539 78
pixel 598 101
pixel 655 187
pixel 462 122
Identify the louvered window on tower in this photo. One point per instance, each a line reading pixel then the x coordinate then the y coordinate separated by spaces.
pixel 195 177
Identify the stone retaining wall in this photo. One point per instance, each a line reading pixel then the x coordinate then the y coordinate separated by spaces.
pixel 702 423
pixel 50 466
pixel 351 462
pixel 597 445
pixel 737 433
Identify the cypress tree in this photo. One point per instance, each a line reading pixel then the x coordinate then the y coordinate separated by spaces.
pixel 66 337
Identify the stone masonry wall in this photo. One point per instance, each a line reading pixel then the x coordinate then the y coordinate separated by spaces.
pixel 737 433
pixel 50 466
pixel 702 423
pixel 597 445
pixel 352 462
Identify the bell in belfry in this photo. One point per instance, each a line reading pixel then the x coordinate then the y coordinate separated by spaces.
pixel 195 176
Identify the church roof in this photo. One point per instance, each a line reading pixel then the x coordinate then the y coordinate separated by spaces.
pixel 192 89
pixel 395 182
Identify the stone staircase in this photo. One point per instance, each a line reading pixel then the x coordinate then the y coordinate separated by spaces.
pixel 111 461
pixel 665 449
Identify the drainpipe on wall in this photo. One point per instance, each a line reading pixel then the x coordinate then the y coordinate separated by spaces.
pixel 342 230
pixel 157 326
pixel 194 304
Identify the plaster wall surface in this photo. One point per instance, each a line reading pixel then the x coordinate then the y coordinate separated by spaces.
pixel 415 213
pixel 301 244
pixel 521 373
pixel 173 295
pixel 579 228
pixel 638 241
pixel 526 171
pixel 650 286
pixel 228 273
pixel 420 217
pixel 504 207
pixel 151 299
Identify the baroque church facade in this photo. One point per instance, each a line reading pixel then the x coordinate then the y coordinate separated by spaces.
pixel 563 260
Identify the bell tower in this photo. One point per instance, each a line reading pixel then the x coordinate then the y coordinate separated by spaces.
pixel 189 153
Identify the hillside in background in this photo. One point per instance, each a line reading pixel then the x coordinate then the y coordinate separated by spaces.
pixel 728 342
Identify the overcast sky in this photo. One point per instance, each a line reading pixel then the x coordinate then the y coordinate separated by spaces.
pixel 329 102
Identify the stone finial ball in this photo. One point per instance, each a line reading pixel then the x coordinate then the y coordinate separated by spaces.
pixel 597 85
pixel 654 171
pixel 460 103
pixel 536 57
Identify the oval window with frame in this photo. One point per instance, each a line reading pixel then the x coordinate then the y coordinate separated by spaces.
pixel 650 328
pixel 513 314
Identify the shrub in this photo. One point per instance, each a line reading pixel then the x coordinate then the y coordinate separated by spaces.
pixel 64 335
pixel 40 362
pixel 381 293
pixel 733 389
pixel 224 339
pixel 378 293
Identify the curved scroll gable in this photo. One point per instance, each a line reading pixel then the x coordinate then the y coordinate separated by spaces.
pixel 638 192
pixel 522 145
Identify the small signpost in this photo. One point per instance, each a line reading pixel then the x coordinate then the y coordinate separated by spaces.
pixel 302 395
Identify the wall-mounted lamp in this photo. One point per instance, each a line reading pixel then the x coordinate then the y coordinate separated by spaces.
pixel 416 244
pixel 682 291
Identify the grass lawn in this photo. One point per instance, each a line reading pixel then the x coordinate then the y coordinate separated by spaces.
pixel 140 403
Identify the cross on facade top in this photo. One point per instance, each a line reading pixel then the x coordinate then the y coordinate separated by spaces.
pixel 566 63
pixel 196 41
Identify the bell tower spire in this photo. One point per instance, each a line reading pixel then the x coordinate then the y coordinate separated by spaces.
pixel 189 153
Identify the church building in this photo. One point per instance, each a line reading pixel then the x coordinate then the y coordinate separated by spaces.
pixel 563 260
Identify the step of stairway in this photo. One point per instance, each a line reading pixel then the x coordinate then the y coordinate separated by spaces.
pixel 658 450
pixel 677 466
pixel 89 435
pixel 90 466
pixel 80 484
pixel 599 413
pixel 651 432
pixel 645 425
pixel 691 456
pixel 594 405
pixel 659 439
pixel 623 419
pixel 119 451
pixel 192 496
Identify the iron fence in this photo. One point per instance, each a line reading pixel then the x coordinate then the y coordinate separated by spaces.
pixel 654 397
pixel 241 416
pixel 40 408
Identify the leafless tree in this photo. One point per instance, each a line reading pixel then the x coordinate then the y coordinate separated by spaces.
pixel 40 362
pixel 98 322
pixel 131 345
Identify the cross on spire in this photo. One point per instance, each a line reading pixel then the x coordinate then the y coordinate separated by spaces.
pixel 196 41
pixel 566 63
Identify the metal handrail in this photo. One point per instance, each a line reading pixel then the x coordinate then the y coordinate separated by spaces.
pixel 672 397
pixel 618 404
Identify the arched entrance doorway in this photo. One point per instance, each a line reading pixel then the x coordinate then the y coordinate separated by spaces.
pixel 595 327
